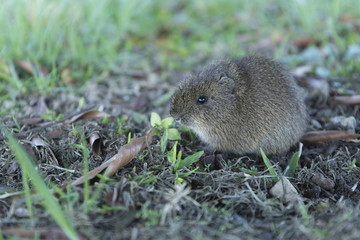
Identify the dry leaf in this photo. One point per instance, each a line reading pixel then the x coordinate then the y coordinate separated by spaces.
pixel 325 136
pixel 46 233
pixel 355 99
pixel 25 65
pixel 29 66
pixel 92 114
pixel 303 42
pixel 66 76
pixel 125 154
pixel 36 141
pixel 55 134
pixel 140 102
pixel 347 18
pixel 128 152
pixel 96 143
pixel 30 121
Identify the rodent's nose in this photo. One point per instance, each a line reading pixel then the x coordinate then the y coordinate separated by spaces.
pixel 173 114
pixel 176 116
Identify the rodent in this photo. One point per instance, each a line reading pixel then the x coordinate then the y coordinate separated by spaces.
pixel 242 105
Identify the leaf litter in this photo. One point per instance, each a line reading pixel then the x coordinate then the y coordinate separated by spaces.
pixel 125 154
pixel 215 202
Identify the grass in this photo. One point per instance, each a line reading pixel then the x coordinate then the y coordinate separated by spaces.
pixel 86 38
pixel 48 201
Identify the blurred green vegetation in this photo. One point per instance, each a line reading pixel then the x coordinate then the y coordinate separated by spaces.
pixel 84 39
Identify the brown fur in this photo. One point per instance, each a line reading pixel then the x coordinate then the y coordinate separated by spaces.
pixel 252 103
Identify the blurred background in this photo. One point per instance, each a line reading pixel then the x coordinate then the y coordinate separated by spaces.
pixel 63 44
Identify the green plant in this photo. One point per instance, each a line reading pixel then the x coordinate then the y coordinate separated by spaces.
pixel 106 119
pixel 289 170
pixel 174 158
pixel 293 163
pixel 120 122
pixel 164 126
pixel 51 115
pixel 145 178
pixel 18 127
pixel 353 164
pixel 75 132
pixel 129 137
pixel 85 152
pixel 268 165
pixel 152 217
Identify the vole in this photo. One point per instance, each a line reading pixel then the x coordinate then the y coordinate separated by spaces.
pixel 242 105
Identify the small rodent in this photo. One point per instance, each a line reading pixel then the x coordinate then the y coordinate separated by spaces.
pixel 242 105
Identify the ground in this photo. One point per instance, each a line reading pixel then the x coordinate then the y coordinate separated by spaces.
pixel 220 196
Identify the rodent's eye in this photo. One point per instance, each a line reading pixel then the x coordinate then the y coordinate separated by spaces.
pixel 201 100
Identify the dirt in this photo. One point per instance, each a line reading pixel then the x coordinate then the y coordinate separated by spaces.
pixel 218 201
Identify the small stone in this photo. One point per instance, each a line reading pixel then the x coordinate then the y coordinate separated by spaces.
pixel 22 212
pixel 283 189
pixel 342 123
pixel 323 182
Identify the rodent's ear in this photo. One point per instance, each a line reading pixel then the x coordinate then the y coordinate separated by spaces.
pixel 222 74
pixel 225 82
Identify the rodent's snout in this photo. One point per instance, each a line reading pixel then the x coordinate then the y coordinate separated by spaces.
pixel 175 114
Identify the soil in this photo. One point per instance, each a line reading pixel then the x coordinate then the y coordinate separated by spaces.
pixel 218 201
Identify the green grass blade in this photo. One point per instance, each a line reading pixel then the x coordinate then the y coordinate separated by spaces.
pixel 49 202
pixel 28 196
pixel 190 160
pixel 294 161
pixel 164 141
pixel 268 165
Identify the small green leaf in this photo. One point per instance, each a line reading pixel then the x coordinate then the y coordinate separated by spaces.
pixel 129 137
pixel 174 134
pixel 268 165
pixel 163 141
pixel 165 123
pixel 75 132
pixel 46 116
pixel 143 176
pixel 123 119
pixel 81 102
pixel 106 119
pixel 290 169
pixel 247 171
pixel 178 160
pixel 60 117
pixel 155 119
pixel 190 160
pixel 171 155
pixel 187 173
pixel 148 180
